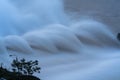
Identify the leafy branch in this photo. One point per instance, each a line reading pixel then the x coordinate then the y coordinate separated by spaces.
pixel 25 67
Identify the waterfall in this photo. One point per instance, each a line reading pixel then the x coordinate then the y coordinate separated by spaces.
pixel 85 49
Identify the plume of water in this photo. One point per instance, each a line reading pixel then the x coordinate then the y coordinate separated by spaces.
pixel 19 17
pixel 39 27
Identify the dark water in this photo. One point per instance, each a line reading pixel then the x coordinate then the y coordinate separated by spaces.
pixel 106 11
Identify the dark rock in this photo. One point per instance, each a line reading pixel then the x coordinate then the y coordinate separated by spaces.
pixel 4 73
pixel 8 75
pixel 118 36
pixel 24 77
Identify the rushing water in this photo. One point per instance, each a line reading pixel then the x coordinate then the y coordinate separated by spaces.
pixel 84 49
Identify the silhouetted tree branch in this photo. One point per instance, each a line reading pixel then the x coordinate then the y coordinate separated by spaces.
pixel 21 70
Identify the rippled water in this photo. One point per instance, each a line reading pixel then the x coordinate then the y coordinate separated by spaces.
pixel 79 49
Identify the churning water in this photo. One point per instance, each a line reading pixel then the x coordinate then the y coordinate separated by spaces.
pixel 36 29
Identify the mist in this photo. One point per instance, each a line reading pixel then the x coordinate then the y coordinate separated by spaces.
pixel 68 48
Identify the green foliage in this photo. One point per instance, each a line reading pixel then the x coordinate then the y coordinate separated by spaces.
pixel 25 67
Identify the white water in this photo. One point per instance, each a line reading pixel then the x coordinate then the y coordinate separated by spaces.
pixel 37 29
